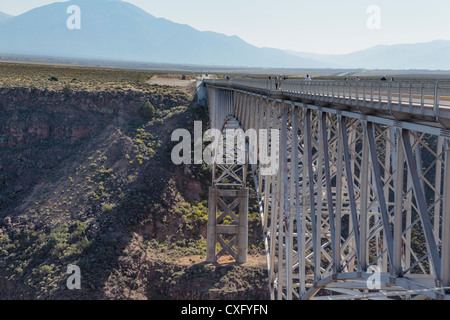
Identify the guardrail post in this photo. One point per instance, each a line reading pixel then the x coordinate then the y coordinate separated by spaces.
pixel 364 91
pixel 350 92
pixel 379 94
pixel 422 98
pixel 332 91
pixel 371 92
pixel 390 95
pixel 357 91
pixel 410 96
pixel 436 99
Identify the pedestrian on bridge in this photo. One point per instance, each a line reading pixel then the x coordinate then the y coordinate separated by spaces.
pixel 308 78
pixel 278 82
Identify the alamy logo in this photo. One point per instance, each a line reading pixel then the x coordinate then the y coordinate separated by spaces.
pixel 74 281
pixel 374 281
pixel 374 20
pixel 74 20
pixel 233 147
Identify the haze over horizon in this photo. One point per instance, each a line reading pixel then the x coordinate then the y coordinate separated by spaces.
pixel 328 27
pixel 123 31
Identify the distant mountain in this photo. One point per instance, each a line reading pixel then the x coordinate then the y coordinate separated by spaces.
pixel 4 17
pixel 431 55
pixel 117 30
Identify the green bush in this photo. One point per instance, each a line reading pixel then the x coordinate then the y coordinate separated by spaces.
pixel 147 111
pixel 108 207
pixel 67 90
pixel 46 269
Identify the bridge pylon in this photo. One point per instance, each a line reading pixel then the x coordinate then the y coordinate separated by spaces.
pixel 229 229
pixel 228 200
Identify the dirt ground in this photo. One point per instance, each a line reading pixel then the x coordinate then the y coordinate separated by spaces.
pixel 252 261
pixel 171 82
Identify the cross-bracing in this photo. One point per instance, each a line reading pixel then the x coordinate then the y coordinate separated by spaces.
pixel 363 184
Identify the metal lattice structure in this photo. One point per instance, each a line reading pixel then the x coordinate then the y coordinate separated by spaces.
pixel 228 196
pixel 362 186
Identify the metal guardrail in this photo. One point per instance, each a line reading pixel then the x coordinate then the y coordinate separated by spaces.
pixel 411 94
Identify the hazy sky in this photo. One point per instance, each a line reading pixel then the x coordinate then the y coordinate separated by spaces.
pixel 321 26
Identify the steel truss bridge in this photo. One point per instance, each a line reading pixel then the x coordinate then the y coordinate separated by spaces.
pixel 363 186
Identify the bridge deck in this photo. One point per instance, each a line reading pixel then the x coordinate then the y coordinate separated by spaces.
pixel 421 102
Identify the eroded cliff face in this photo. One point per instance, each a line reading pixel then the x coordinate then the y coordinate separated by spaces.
pixel 40 129
pixel 31 115
pixel 85 180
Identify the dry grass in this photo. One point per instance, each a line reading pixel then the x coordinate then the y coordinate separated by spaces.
pixel 55 77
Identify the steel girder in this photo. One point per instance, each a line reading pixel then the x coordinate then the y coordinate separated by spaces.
pixel 354 194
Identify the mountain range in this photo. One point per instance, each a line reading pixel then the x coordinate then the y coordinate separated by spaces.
pixel 117 30
pixel 431 55
pixel 120 31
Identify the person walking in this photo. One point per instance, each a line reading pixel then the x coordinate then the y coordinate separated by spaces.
pixel 278 82
pixel 308 78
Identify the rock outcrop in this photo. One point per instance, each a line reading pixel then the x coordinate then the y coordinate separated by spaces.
pixel 31 115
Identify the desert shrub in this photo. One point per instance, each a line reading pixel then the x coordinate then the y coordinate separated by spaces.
pixel 46 269
pixel 67 90
pixel 108 207
pixel 147 111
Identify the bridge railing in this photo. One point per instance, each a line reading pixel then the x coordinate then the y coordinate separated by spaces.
pixel 412 94
pixel 424 94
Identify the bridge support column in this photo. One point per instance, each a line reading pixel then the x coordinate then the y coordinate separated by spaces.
pixel 232 235
pixel 243 226
pixel 446 223
pixel 211 237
